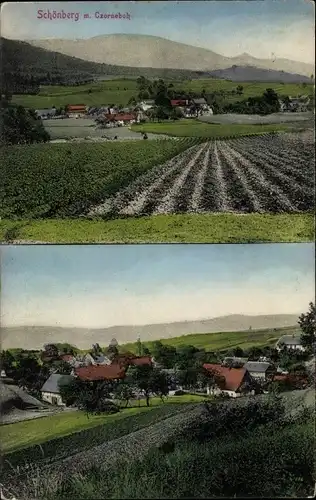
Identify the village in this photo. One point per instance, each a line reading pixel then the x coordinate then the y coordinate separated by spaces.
pixel 114 115
pixel 169 372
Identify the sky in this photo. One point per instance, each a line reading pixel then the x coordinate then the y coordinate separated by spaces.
pixel 263 28
pixel 100 286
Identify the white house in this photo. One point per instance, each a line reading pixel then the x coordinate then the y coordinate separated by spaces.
pixel 145 105
pixel 50 390
pixel 291 342
pixel 259 370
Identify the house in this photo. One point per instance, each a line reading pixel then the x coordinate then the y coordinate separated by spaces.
pixel 51 390
pixel 125 119
pixel 13 399
pixel 290 342
pixel 259 370
pixel 145 105
pixel 101 359
pixel 76 110
pixel 100 372
pixel 140 361
pixel 233 382
pixel 179 102
pixel 295 104
pixel 45 114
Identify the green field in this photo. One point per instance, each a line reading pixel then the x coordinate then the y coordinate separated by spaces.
pixel 120 91
pixel 30 432
pixel 222 340
pixel 47 180
pixel 199 228
pixel 193 128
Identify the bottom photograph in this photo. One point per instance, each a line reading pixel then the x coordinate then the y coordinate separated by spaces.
pixel 157 371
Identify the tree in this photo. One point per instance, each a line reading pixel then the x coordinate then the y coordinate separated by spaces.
pixel 20 126
pixel 61 367
pixel 149 380
pixel 272 99
pixel 69 390
pixel 164 354
pixel 7 361
pixel 239 89
pixel 27 371
pixel 307 324
pixel 124 391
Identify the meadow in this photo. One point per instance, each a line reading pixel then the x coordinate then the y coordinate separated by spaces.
pixel 120 91
pixel 221 341
pixel 182 228
pixel 198 451
pixel 38 431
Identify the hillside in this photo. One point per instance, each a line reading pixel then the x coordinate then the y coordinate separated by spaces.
pixel 34 337
pixel 253 74
pixel 26 58
pixel 155 52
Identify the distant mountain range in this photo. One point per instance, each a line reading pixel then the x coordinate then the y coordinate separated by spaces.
pixel 18 56
pixel 253 74
pixel 34 337
pixel 144 51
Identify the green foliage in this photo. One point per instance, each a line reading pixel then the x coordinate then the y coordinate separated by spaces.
pixel 64 180
pixel 307 323
pixel 269 461
pixel 64 446
pixel 21 126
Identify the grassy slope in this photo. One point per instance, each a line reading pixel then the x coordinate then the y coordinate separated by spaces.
pixel 221 340
pixel 194 128
pixel 112 91
pixel 196 228
pixel 23 434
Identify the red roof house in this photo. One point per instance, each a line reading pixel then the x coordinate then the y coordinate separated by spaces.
pixel 227 380
pixel 178 102
pixel 76 108
pixel 141 361
pixel 124 117
pixel 101 372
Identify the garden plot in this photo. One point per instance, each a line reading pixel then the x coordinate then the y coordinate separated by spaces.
pixel 272 173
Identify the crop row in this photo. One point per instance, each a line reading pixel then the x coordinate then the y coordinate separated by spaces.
pixel 61 447
pixel 49 180
pixel 107 454
pixel 260 174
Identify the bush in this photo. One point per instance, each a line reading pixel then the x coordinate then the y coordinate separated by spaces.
pixel 235 418
pixel 267 463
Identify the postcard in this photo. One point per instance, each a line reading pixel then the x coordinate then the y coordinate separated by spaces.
pixel 157 371
pixel 162 121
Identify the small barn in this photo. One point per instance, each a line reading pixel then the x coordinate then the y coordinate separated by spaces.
pixel 51 390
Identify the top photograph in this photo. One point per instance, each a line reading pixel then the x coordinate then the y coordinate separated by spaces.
pixel 157 122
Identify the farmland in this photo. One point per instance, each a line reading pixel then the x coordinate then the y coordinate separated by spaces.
pixel 47 180
pixel 122 90
pixel 267 174
pixel 221 341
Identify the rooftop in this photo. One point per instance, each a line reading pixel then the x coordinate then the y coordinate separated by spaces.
pixel 232 377
pixel 101 372
pixel 52 383
pixel 257 366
